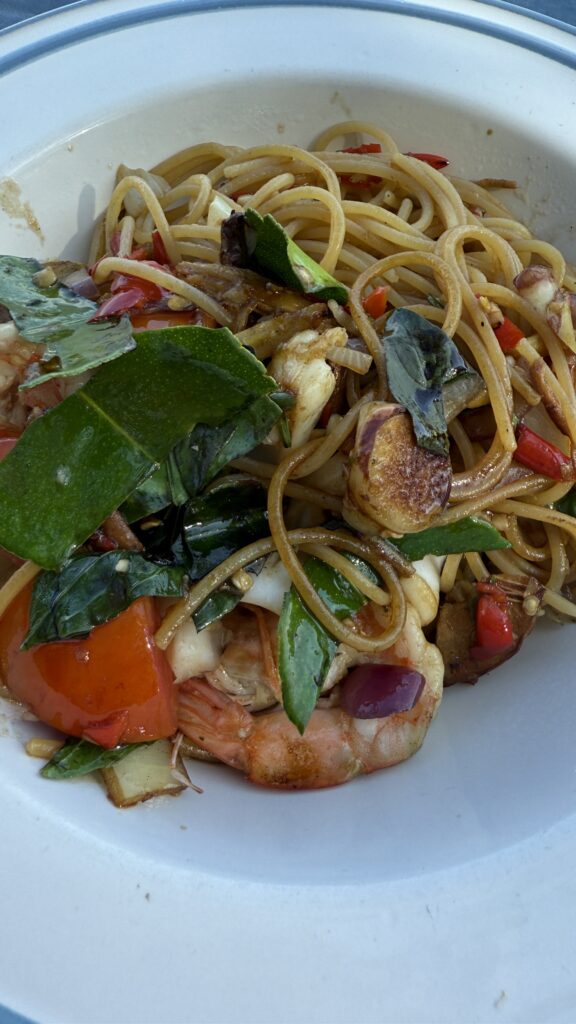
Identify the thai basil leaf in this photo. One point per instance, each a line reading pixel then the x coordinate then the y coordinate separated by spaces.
pixel 220 603
pixel 200 457
pixel 93 589
pixel 267 248
pixel 305 653
pixel 305 648
pixel 567 504
pixel 76 464
pixel 80 757
pixel 469 534
pixel 420 359
pixel 220 522
pixel 58 319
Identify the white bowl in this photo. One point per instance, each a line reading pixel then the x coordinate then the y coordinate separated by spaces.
pixel 438 890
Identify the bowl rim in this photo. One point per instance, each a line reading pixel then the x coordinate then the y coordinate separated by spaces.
pixel 274 914
pixel 28 40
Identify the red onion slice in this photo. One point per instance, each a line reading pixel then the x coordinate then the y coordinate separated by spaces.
pixel 376 691
pixel 79 281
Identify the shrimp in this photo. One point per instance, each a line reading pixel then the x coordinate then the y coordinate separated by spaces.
pixel 299 365
pixel 335 747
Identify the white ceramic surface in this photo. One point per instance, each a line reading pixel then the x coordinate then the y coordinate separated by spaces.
pixel 441 890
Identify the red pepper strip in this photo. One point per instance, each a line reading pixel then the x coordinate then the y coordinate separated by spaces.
pixel 437 162
pixel 376 303
pixel 158 249
pixel 508 335
pixel 541 456
pixel 366 147
pixel 494 631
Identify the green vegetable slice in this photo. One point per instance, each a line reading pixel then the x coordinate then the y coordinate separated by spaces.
pixel 93 589
pixel 275 253
pixel 58 319
pixel 469 534
pixel 80 757
pixel 79 462
pixel 420 359
pixel 305 648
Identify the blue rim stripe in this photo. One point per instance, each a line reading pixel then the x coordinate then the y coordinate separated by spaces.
pixel 175 8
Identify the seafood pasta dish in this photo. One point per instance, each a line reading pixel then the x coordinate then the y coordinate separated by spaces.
pixel 290 452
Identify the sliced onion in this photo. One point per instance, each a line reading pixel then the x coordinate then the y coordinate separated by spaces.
pixel 376 691
pixel 352 359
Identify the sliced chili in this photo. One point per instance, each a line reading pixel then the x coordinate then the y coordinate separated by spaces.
pixel 541 456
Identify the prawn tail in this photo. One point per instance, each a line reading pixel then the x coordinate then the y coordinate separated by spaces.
pixel 213 721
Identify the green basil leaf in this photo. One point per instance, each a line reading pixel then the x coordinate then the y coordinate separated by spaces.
pixel 305 653
pixel 273 252
pixel 469 534
pixel 80 757
pixel 58 319
pixel 93 589
pixel 200 457
pixel 420 359
pixel 567 504
pixel 79 462
pixel 220 522
pixel 305 648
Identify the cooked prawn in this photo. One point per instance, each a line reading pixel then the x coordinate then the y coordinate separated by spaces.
pixel 335 747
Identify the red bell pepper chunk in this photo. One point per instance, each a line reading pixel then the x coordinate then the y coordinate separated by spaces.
pixel 114 686
pixel 494 630
pixel 541 456
pixel 376 303
pixel 437 162
pixel 366 147
pixel 508 335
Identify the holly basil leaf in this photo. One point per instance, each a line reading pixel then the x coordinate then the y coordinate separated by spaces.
pixel 80 757
pixel 305 648
pixel 265 246
pixel 567 504
pixel 200 457
pixel 469 534
pixel 220 522
pixel 420 360
pixel 79 462
pixel 93 589
pixel 58 319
